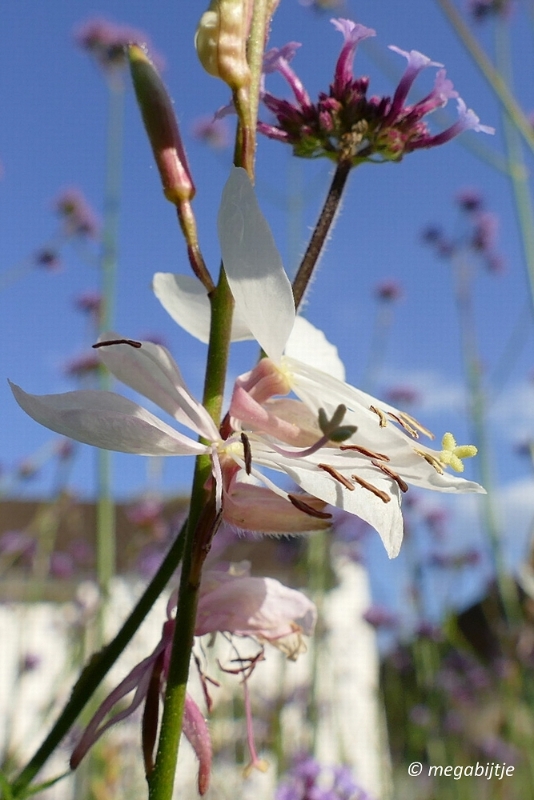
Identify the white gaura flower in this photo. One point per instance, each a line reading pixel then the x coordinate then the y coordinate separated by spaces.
pixel 372 467
pixel 112 422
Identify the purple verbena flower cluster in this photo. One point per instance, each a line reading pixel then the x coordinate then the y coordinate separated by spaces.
pixel 345 124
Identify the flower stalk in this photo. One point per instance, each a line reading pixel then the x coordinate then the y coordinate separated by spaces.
pixel 321 231
pixel 202 526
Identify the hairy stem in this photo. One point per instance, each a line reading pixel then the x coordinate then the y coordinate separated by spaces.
pixel 321 231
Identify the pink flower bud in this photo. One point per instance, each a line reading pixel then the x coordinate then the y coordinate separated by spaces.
pixel 161 127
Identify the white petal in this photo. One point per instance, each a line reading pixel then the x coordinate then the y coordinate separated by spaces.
pixel 106 420
pixel 185 300
pixel 309 345
pixel 385 517
pixel 259 284
pixel 152 371
pixel 319 390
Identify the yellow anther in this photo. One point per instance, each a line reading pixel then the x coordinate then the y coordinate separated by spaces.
pixel 381 416
pixel 452 454
pixel 430 459
pixel 416 424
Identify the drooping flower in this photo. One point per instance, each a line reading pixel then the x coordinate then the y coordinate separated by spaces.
pixel 347 125
pixel 231 602
pixel 151 672
pixel 370 468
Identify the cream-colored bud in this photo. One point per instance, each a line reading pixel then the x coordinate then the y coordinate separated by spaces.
pixel 221 41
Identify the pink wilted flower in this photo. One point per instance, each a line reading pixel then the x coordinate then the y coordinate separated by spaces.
pixel 347 125
pixel 232 603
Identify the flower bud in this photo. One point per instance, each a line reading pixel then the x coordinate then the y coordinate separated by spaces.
pixel 161 127
pixel 221 41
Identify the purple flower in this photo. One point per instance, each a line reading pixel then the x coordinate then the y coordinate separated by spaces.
pixel 61 565
pixel 381 617
pixel 47 258
pixel 83 365
pixel 76 214
pixel 310 780
pixel 346 124
pixel 89 303
pixel 470 199
pixel 484 235
pixel 213 132
pixel 106 42
pixel 388 291
pixel 403 396
pixel 17 543
pixel 482 9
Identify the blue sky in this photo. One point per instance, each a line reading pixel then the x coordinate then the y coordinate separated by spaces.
pixel 54 104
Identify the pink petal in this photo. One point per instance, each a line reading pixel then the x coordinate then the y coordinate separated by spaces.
pixel 196 731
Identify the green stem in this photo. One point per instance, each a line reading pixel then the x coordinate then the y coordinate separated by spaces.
pixel 492 75
pixel 463 297
pixel 321 231
pixel 105 508
pixel 203 519
pixel 517 169
pixel 99 665
pixel 202 525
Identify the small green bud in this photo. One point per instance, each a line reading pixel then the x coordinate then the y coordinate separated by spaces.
pixel 161 126
pixel 221 41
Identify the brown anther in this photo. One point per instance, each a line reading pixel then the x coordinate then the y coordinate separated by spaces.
pixel 337 475
pixel 247 453
pixel 403 486
pixel 416 424
pixel 432 460
pixel 382 417
pixel 402 422
pixel 364 451
pixel 131 342
pixel 378 492
pixel 302 506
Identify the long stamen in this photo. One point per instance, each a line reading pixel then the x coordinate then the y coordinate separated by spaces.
pixel 378 492
pixel 416 424
pixel 403 486
pixel 404 424
pixel 382 417
pixel 365 451
pixel 337 475
pixel 302 506
pixel 247 453
pixel 300 453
